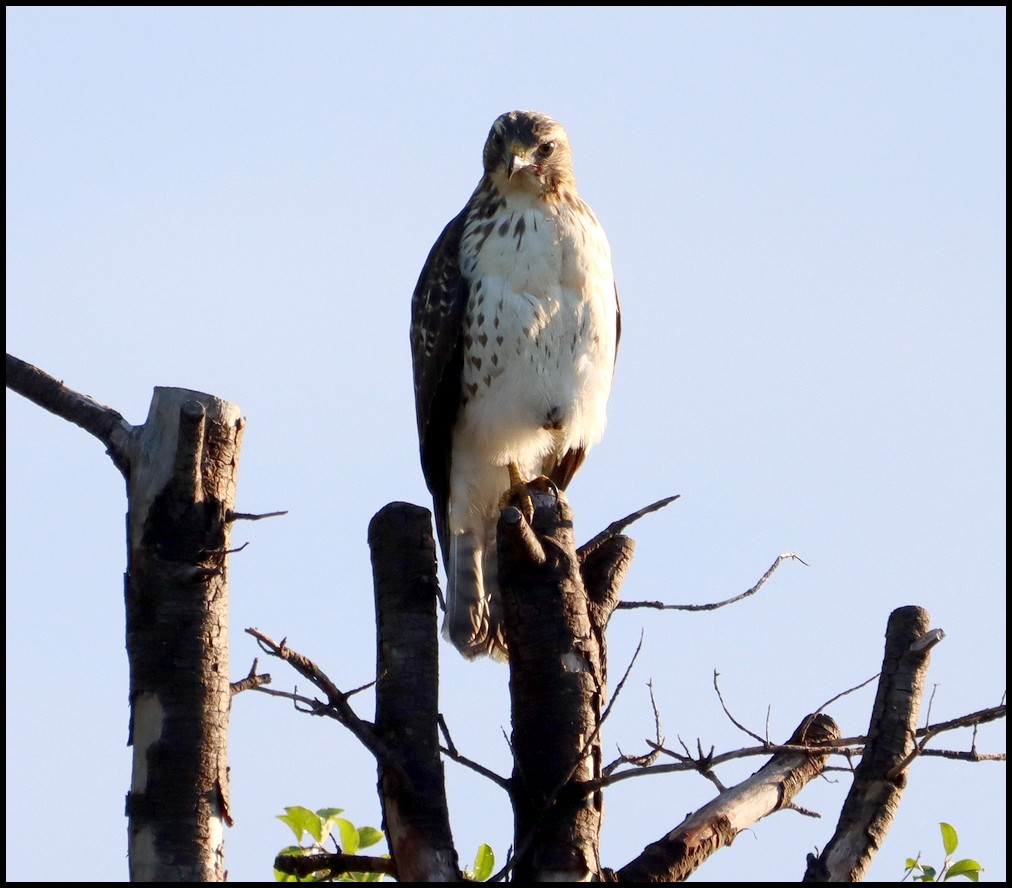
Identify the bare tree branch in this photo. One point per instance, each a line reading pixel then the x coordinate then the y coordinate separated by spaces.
pixel 616 527
pixel 836 697
pixel 103 422
pixel 251 681
pixel 336 705
pixel 734 721
pixel 334 864
pixel 842 746
pixel 255 516
pixel 773 787
pixel 660 605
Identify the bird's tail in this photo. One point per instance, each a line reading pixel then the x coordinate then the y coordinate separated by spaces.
pixel 473 609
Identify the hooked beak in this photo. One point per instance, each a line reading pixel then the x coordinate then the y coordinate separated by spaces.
pixel 516 160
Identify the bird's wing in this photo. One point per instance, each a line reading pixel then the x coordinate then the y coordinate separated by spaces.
pixel 437 308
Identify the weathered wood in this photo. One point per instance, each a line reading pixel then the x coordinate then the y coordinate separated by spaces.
pixel 880 777
pixel 675 856
pixel 180 468
pixel 557 688
pixel 413 794
pixel 181 489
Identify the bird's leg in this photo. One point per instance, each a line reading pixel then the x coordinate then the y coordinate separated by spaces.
pixel 518 494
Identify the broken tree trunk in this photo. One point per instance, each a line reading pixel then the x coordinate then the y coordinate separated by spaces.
pixel 554 632
pixel 181 489
pixel 411 787
pixel 881 775
pixel 180 468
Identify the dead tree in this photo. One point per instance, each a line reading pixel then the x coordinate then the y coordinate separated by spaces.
pixel 180 471
pixel 180 468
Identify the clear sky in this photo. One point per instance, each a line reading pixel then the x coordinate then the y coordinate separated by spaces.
pixel 807 214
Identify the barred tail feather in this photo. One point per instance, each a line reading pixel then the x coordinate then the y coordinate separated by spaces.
pixel 473 613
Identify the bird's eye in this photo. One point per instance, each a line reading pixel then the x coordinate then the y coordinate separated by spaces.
pixel 545 149
pixel 495 140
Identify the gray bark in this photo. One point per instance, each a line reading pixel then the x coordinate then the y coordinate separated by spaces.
pixel 881 776
pixel 413 794
pixel 180 468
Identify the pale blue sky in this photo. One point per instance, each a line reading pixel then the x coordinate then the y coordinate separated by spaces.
pixel 807 213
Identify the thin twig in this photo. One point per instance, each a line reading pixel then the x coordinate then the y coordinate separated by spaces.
pixel 254 516
pixel 844 746
pixel 337 701
pixel 727 712
pixel 497 779
pixel 641 761
pixel 616 527
pixel 251 681
pixel 613 700
pixel 660 605
pixel 450 751
pixel 848 691
pixel 445 731
pixel 964 755
pixel 310 705
pixel 804 812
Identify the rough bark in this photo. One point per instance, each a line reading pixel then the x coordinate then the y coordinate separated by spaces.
pixel 413 795
pixel 181 496
pixel 554 632
pixel 880 777
pixel 773 787
pixel 180 468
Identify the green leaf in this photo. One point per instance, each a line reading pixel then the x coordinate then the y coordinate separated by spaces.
pixel 949 838
pixel 301 820
pixel 348 835
pixel 328 820
pixel 369 835
pixel 912 864
pixel 927 874
pixel 484 862
pixel 327 813
pixel 967 868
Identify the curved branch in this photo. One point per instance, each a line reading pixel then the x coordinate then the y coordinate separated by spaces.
pixel 337 701
pixel 103 422
pixel 660 605
pixel 616 527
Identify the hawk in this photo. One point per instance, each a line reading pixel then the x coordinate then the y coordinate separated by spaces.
pixel 514 332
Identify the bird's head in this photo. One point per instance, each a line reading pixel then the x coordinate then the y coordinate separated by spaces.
pixel 529 151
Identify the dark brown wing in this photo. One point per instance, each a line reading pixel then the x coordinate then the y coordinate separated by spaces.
pixel 437 308
pixel 571 460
